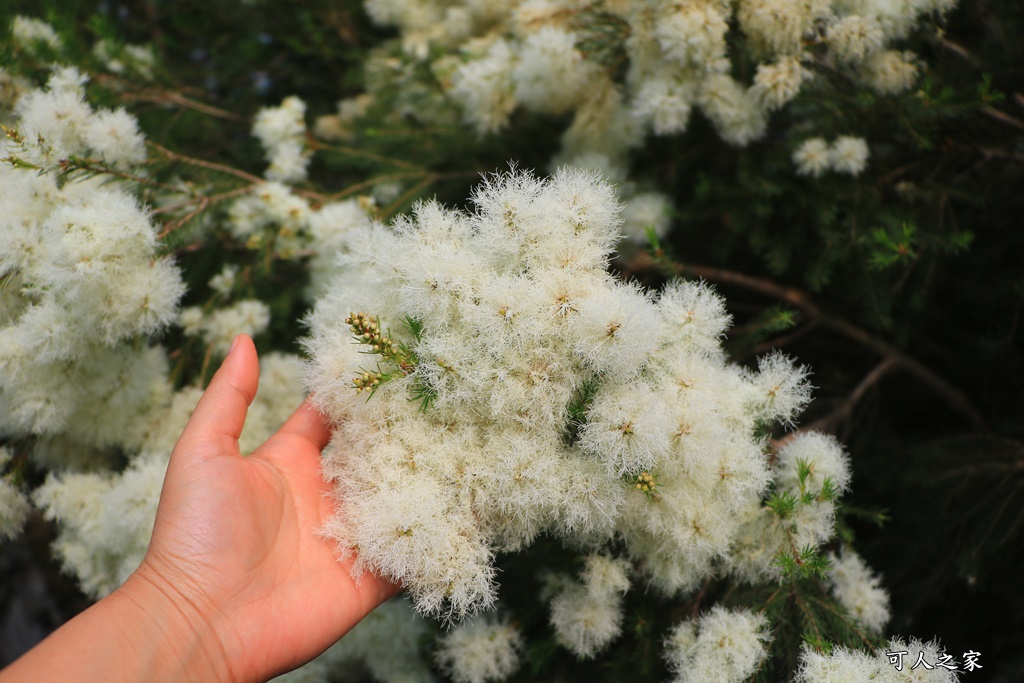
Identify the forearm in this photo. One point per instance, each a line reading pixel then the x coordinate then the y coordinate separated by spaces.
pixel 134 634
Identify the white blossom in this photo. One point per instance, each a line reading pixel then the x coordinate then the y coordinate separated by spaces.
pixel 721 645
pixel 812 157
pixel 858 589
pixel 849 155
pixel 479 651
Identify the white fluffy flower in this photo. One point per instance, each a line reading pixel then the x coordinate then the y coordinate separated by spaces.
pixel 479 651
pixel 852 38
pixel 665 103
pixel 721 645
pixel 776 84
pixel 87 278
pixel 780 25
pixel 843 664
pixel 820 457
pixel 890 72
pixel 28 32
pixel 220 327
pixel 223 282
pixel 858 589
pixel 551 73
pixel 812 157
pixel 485 88
pixel 587 616
pixel 281 131
pixel 849 155
pixel 780 388
pixel 644 211
pixel 693 34
pixel 735 111
pixel 115 137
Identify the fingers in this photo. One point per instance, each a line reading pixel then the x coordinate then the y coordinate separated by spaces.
pixel 219 417
pixel 306 424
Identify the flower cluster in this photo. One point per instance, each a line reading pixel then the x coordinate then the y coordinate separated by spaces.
pixel 587 614
pixel 846 155
pixel 722 645
pixel 858 589
pixel 555 56
pixel 479 651
pixel 843 664
pixel 544 389
pixel 282 130
pixel 81 271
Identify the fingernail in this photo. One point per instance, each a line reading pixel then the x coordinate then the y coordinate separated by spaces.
pixel 234 343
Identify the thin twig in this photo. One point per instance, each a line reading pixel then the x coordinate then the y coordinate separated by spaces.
pixel 315 145
pixel 411 192
pixel 958 50
pixel 180 222
pixel 695 608
pixel 72 165
pixel 993 153
pixel 1003 117
pixel 212 199
pixel 359 187
pixel 201 163
pixel 176 98
pixel 830 423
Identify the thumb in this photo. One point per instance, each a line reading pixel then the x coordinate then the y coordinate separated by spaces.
pixel 219 416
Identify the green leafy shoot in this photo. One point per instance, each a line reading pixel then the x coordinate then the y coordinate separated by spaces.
pixel 782 504
pixel 578 408
pixel 821 645
pixel 804 563
pixel 891 249
pixel 367 330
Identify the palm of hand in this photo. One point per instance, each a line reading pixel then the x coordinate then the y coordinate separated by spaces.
pixel 235 541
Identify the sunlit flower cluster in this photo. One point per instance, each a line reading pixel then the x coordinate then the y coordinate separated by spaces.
pixel 555 56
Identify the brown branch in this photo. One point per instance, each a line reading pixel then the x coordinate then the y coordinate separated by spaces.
pixel 993 153
pixel 959 51
pixel 212 199
pixel 201 163
pixel 176 98
pixel 315 145
pixel 74 164
pixel 359 187
pixel 851 623
pixel 1003 117
pixel 204 202
pixel 411 192
pixel 695 608
pixel 801 300
pixel 830 423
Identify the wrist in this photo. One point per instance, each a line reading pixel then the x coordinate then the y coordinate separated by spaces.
pixel 171 636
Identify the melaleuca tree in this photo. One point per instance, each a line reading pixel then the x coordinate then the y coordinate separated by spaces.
pixel 844 172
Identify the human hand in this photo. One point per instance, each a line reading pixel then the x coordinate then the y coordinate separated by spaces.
pixel 235 556
pixel 236 584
